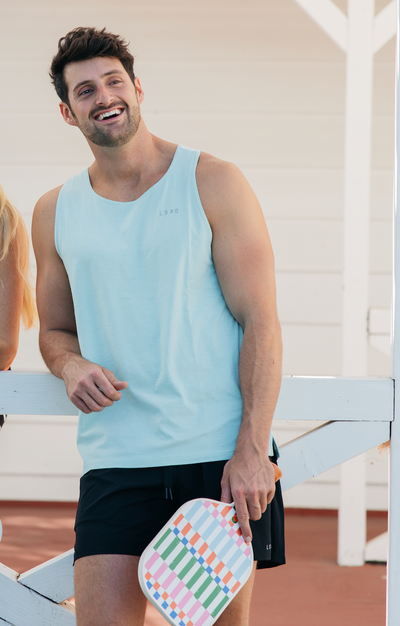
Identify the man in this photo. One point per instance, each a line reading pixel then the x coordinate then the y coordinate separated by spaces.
pixel 156 296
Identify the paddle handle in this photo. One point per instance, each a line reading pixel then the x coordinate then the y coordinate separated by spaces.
pixel 278 472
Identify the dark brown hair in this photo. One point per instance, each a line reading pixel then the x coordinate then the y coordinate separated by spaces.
pixel 84 43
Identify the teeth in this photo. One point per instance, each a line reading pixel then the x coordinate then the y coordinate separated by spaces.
pixel 102 116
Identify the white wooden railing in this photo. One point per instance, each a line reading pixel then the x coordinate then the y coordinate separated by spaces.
pixel 357 414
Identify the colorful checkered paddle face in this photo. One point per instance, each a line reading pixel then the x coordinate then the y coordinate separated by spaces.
pixel 196 564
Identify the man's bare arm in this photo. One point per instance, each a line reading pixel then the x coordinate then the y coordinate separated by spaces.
pixel 89 386
pixel 244 262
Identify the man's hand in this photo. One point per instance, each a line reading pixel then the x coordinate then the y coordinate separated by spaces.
pixel 249 481
pixel 89 386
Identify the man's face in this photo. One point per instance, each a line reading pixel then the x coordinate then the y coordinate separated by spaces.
pixel 103 101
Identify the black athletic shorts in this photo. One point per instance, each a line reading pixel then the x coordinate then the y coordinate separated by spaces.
pixel 121 510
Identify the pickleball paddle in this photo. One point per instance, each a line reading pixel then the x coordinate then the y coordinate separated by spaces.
pixel 196 564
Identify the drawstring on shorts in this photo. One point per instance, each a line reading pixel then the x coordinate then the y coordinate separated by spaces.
pixel 168 483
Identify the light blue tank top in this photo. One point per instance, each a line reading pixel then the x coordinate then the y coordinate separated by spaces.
pixel 149 307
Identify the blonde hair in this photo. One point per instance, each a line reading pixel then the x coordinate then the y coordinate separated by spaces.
pixel 13 230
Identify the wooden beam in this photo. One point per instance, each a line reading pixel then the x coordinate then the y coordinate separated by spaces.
pixel 356 187
pixel 25 393
pixel 385 24
pixel 328 17
pixel 301 398
pixel 334 22
pixel 328 446
pixel 53 579
pixel 352 514
pixel 356 222
pixel 335 399
pixel 20 606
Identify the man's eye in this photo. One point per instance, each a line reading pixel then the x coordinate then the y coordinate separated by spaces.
pixel 85 92
pixel 115 82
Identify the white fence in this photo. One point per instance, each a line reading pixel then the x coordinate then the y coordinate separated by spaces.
pixel 357 413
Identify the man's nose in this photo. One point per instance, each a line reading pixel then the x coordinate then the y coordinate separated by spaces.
pixel 103 96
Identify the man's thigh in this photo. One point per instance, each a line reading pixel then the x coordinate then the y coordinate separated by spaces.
pixel 107 591
pixel 237 613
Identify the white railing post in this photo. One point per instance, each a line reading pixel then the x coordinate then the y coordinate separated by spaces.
pixel 360 34
pixel 352 502
pixel 393 578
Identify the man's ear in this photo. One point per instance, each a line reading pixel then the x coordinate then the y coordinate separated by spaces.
pixel 139 91
pixel 67 115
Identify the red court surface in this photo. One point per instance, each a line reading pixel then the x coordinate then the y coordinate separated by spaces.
pixel 311 590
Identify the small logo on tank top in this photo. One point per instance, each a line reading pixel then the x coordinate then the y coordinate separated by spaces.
pixel 168 212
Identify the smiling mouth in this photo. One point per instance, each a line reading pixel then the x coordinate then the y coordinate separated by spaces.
pixel 106 115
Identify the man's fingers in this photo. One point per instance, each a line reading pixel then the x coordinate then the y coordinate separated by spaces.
pixel 251 488
pixel 255 510
pixel 118 385
pixel 91 387
pixel 257 502
pixel 94 395
pixel 242 514
pixel 264 501
pixel 104 386
pixel 80 404
pixel 100 397
pixel 94 406
pixel 226 493
pixel 87 404
pixel 270 495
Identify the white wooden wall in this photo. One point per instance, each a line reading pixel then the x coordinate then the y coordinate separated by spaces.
pixel 254 82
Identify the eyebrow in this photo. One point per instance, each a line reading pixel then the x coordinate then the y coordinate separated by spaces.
pixel 85 82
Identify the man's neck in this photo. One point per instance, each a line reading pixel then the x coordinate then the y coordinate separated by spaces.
pixel 126 172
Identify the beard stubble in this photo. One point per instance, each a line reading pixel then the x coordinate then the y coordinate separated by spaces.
pixel 104 137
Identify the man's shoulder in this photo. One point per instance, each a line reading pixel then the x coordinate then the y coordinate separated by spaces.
pixel 222 186
pixel 45 208
pixel 49 200
pixel 212 170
